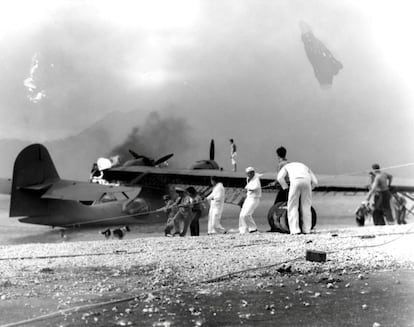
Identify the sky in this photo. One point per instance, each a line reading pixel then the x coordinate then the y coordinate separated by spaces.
pixel 230 68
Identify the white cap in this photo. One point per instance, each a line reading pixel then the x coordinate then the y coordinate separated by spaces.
pixel 249 169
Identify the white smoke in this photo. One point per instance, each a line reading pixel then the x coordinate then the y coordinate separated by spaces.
pixel 34 95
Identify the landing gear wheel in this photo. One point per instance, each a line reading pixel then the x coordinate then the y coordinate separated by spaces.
pixel 277 218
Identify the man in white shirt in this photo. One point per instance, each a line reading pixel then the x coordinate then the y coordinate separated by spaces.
pixel 216 199
pixel 302 181
pixel 254 192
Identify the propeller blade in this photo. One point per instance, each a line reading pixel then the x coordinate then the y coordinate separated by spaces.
pixel 134 154
pixel 212 150
pixel 163 159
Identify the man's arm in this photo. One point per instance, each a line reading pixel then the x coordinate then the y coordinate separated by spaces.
pixel 211 195
pixel 281 178
pixel 389 177
pixel 373 188
pixel 314 181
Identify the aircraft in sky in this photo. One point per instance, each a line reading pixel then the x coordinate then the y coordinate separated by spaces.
pixel 40 196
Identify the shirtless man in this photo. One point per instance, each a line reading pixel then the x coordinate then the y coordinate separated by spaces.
pixel 233 154
pixel 380 188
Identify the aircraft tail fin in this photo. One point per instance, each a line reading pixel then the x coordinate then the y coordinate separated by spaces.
pixel 33 166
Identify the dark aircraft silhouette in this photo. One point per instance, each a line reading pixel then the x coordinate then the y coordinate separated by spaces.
pixel 40 196
pixel 325 65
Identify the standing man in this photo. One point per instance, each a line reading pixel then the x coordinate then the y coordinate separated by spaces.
pixel 233 154
pixel 168 209
pixel 196 210
pixel 281 157
pixel 302 181
pixel 282 195
pixel 216 199
pixel 254 192
pixel 183 214
pixel 382 196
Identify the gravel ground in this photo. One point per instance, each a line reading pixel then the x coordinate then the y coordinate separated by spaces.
pixel 193 259
pixel 76 273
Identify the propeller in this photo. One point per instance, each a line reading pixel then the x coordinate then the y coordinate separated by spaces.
pixel 207 164
pixel 163 159
pixel 134 154
pixel 148 161
pixel 212 150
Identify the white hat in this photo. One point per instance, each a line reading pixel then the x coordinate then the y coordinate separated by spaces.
pixel 249 169
pixel 179 189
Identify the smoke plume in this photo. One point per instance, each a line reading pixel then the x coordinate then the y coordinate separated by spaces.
pixel 157 137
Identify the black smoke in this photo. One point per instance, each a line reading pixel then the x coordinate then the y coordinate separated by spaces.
pixel 156 137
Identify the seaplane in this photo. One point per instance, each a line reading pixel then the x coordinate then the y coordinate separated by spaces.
pixel 134 192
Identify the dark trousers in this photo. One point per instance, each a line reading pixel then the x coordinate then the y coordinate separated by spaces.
pixel 282 196
pixel 382 208
pixel 195 225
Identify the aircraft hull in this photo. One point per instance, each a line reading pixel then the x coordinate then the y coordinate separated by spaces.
pixel 73 213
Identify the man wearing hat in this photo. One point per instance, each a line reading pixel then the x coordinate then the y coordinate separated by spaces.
pixel 183 214
pixel 382 196
pixel 254 192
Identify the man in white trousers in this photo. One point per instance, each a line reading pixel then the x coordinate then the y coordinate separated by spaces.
pixel 302 181
pixel 216 199
pixel 254 192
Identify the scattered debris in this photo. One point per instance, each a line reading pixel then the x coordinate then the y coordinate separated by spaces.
pixel 313 255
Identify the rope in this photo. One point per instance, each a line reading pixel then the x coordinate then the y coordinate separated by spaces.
pixel 132 215
pixel 229 275
pixel 364 172
pixel 62 312
pixel 375 245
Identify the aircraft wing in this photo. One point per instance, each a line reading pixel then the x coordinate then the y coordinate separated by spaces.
pixel 159 177
pixel 77 191
pixel 151 176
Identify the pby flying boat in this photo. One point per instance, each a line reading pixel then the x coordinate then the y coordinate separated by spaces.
pixel 40 196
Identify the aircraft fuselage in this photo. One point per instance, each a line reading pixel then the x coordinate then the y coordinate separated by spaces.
pixel 73 213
